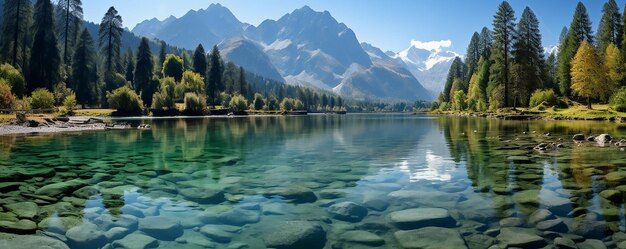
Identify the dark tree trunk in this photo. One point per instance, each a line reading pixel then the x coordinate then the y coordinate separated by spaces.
pixel 17 32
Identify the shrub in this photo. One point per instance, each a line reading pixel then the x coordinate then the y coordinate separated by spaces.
pixel 298 105
pixel 42 99
pixel 164 99
pixel 69 103
pixel 545 97
pixel 173 67
pixel 618 100
pixel 272 104
pixel 115 81
pixel 259 102
pixel 7 99
pixel 61 92
pixel 194 104
pixel 287 104
pixel 238 103
pixel 22 104
pixel 125 100
pixel 224 99
pixel 444 106
pixel 14 79
pixel 194 82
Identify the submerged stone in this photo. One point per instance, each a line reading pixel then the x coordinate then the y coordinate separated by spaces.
pixel 204 195
pixel 296 194
pixel 217 233
pixel 135 241
pixel 363 237
pixel 18 227
pixel 520 237
pixel 430 238
pixel 161 228
pixel 26 210
pixel 295 235
pixel 31 242
pixel 422 217
pixel 86 235
pixel 240 217
pixel 348 211
pixel 61 188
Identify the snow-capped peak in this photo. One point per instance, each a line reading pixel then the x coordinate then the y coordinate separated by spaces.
pixel 425 55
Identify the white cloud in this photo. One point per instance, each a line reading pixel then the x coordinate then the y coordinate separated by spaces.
pixel 431 45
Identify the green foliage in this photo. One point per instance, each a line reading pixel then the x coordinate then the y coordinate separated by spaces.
pixel 214 77
pixel 164 98
pixel 224 99
pixel 193 82
pixel 7 98
pixel 16 36
pixel 618 100
pixel 544 97
pixel 125 100
pixel 610 29
pixel 14 78
pixel 61 92
pixel 194 104
pixel 259 101
pixel 528 62
pixel 69 14
pixel 444 106
pixel 69 103
pixel 272 104
pixel 459 101
pixel 238 103
pixel 299 106
pixel 173 67
pixel 41 98
pixel 288 104
pixel 115 81
pixel 456 72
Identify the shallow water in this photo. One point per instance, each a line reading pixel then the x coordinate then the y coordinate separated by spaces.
pixel 240 182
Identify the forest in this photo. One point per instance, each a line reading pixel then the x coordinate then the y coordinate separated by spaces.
pixel 507 67
pixel 52 58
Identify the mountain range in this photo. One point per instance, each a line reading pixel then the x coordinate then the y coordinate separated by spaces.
pixel 304 47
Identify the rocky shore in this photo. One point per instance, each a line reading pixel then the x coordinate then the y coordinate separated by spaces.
pixel 54 125
pixel 530 116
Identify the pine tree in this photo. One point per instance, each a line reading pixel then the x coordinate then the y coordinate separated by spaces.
pixel 162 55
pixel 130 67
pixel 242 82
pixel 70 15
pixel 610 29
pixel 614 65
pixel 503 37
pixel 110 39
pixel 527 58
pixel 456 72
pixel 144 69
pixel 550 81
pixel 214 77
pixel 563 36
pixel 587 77
pixel 484 43
pixel 45 59
pixel 199 60
pixel 579 31
pixel 84 76
pixel 477 96
pixel 17 17
pixel 471 57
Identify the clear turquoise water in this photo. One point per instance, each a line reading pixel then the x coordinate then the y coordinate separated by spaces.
pixel 145 181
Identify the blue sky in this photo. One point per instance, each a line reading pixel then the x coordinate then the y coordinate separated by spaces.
pixel 387 24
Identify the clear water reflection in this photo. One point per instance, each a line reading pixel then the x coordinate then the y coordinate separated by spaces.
pixel 355 181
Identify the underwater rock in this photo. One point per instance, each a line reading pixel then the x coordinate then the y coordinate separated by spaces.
pixel 430 238
pixel 295 235
pixel 422 217
pixel 348 211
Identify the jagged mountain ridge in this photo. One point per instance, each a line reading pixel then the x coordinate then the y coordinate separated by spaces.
pixel 305 47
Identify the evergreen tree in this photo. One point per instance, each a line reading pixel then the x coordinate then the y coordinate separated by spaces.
pixel 471 57
pixel 503 37
pixel 579 31
pixel 550 81
pixel 17 15
pixel 614 65
pixel 484 43
pixel 186 60
pixel 84 76
pixel 610 29
pixel 477 97
pixel 214 77
pixel 199 60
pixel 563 35
pixel 527 58
pixel 242 82
pixel 229 77
pixel 45 59
pixel 162 55
pixel 110 39
pixel 144 69
pixel 456 72
pixel 587 77
pixel 130 66
pixel 70 15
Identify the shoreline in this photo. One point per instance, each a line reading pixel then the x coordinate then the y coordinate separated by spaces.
pixel 530 116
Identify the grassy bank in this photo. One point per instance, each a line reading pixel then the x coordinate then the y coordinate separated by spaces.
pixel 575 111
